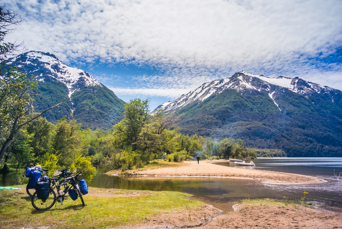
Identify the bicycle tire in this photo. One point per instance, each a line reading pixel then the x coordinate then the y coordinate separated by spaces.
pixel 79 194
pixel 30 193
pixel 48 203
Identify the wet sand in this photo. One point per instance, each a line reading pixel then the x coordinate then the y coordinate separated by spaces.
pixel 208 169
pixel 259 216
pixel 245 216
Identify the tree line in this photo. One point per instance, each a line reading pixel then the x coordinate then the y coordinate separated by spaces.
pixel 132 143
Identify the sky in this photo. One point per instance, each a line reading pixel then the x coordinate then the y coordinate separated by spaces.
pixel 159 50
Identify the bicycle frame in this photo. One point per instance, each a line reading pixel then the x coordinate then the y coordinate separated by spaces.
pixel 68 183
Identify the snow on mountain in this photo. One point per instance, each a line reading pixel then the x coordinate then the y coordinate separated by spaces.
pixel 46 65
pixel 241 81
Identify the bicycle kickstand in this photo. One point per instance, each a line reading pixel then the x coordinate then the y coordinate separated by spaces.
pixel 61 200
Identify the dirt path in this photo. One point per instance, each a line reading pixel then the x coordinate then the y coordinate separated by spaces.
pixel 207 168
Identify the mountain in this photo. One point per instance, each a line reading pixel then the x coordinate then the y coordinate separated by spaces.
pixel 88 101
pixel 300 117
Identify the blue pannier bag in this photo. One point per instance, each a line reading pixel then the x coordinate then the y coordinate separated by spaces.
pixel 73 194
pixel 34 176
pixel 84 187
pixel 28 172
pixel 42 188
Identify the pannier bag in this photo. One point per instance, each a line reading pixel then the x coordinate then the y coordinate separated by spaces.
pixel 34 176
pixel 28 172
pixel 73 195
pixel 42 188
pixel 84 187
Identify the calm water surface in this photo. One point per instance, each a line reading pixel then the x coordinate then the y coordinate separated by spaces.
pixel 223 192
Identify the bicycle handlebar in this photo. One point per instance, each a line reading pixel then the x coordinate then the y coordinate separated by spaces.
pixel 76 175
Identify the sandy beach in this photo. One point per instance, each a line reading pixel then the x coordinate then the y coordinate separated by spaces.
pixel 208 168
pixel 245 216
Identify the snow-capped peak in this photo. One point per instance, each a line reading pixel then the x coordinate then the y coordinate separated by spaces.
pixel 46 65
pixel 241 81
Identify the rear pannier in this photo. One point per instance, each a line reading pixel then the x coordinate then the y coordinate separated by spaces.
pixel 28 172
pixel 84 187
pixel 42 188
pixel 34 176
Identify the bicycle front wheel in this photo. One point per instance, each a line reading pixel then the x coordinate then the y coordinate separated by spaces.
pixel 80 194
pixel 42 205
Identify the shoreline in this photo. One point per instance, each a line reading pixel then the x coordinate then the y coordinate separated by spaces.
pixel 222 177
pixel 206 169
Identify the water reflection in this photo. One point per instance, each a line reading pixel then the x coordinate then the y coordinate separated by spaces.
pixel 224 192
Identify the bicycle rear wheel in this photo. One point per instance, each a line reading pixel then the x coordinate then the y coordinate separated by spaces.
pixel 29 190
pixel 79 193
pixel 42 205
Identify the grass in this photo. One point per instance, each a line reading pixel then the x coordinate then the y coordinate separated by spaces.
pixel 272 202
pixel 100 212
pixel 155 164
pixel 160 163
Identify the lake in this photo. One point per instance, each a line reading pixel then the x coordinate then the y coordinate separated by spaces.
pixel 224 192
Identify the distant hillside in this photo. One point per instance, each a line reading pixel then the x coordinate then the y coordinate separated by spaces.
pixel 93 104
pixel 299 117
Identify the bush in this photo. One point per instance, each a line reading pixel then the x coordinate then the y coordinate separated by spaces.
pixel 188 157
pixel 203 156
pixel 83 165
pixel 176 157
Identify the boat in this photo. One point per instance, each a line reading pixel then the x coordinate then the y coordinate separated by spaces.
pixel 243 163
pixel 235 160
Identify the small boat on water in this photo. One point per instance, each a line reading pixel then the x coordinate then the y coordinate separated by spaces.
pixel 235 160
pixel 243 163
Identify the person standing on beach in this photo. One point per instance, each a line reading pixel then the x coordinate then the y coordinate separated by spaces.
pixel 197 159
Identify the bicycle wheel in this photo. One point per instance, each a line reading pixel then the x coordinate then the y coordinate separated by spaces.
pixel 41 205
pixel 30 191
pixel 79 193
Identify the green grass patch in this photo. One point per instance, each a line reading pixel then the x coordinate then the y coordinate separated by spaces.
pixel 155 164
pixel 16 210
pixel 272 202
pixel 159 163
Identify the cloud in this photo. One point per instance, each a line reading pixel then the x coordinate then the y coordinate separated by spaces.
pixel 191 41
pixel 171 93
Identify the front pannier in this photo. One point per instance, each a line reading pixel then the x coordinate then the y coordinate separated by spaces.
pixel 72 193
pixel 84 187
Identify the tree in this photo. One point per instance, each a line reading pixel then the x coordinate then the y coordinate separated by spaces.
pixel 226 147
pixel 7 19
pixel 135 117
pixel 41 130
pixel 16 108
pixel 66 142
pixel 21 151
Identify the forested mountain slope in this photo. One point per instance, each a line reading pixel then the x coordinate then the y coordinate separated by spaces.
pixel 302 118
pixel 90 102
